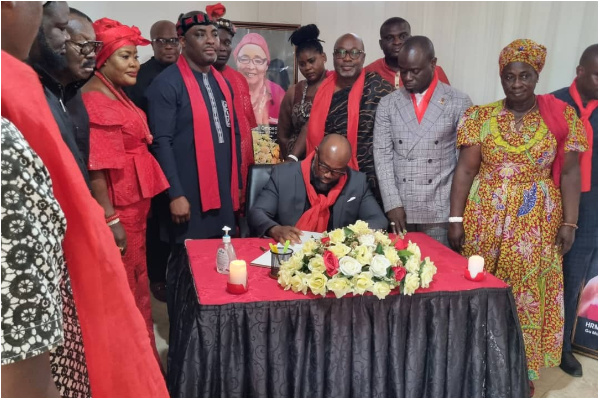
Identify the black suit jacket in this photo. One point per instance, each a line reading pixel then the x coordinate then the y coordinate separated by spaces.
pixel 283 201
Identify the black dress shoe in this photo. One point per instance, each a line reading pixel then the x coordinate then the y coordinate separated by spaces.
pixel 159 291
pixel 570 365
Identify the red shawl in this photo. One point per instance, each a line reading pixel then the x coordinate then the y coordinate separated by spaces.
pixel 585 158
pixel 205 154
pixel 316 218
pixel 553 113
pixel 320 110
pixel 242 104
pixel 118 352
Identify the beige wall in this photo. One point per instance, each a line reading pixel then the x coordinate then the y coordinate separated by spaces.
pixel 468 36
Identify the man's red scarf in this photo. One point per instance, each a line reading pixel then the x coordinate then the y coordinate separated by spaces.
pixel 316 218
pixel 421 108
pixel 585 158
pixel 119 356
pixel 320 110
pixel 205 153
pixel 552 111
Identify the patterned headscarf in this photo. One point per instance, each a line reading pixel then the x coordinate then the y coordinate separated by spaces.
pixel 115 35
pixel 523 50
pixel 185 23
pixel 216 12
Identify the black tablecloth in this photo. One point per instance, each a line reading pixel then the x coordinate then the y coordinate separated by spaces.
pixel 441 344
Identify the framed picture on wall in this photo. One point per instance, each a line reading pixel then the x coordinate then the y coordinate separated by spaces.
pixel 263 54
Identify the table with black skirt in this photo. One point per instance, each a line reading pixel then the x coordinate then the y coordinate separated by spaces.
pixel 457 338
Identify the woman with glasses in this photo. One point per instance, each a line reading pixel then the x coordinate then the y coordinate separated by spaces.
pixel 124 175
pixel 297 103
pixel 252 59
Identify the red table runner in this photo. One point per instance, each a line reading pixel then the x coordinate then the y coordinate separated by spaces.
pixel 210 285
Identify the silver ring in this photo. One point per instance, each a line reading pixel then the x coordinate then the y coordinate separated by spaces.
pixel 392 223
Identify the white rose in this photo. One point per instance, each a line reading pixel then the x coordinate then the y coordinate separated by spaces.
pixel 381 289
pixel 339 250
pixel 367 240
pixel 411 283
pixel 362 282
pixel 429 270
pixel 298 283
pixel 284 279
pixel 349 266
pixel 414 248
pixel 413 265
pixel 379 266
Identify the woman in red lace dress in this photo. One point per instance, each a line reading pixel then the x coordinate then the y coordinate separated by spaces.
pixel 123 173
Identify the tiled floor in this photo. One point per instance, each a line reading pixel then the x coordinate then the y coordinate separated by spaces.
pixel 553 382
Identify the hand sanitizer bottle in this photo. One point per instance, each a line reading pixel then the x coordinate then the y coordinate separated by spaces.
pixel 225 253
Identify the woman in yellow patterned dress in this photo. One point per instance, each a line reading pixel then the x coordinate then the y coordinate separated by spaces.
pixel 517 187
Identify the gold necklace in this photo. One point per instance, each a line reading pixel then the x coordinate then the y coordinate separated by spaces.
pixel 518 121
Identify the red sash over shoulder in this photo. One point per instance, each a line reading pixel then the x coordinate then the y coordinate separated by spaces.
pixel 205 154
pixel 119 357
pixel 320 110
pixel 553 113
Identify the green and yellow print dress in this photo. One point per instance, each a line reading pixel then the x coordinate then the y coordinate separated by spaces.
pixel 513 214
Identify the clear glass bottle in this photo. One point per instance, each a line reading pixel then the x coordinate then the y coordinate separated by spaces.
pixel 225 253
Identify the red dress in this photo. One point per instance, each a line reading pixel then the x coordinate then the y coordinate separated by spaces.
pixel 245 117
pixel 118 146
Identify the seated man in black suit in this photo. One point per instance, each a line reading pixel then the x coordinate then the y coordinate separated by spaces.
pixel 318 194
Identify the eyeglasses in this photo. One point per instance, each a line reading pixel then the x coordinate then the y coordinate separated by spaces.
pixel 341 53
pixel 255 61
pixel 324 169
pixel 88 47
pixel 166 42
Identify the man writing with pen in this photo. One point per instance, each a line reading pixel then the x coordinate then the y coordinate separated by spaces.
pixel 319 194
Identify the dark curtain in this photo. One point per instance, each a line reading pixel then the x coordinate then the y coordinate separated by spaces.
pixel 445 344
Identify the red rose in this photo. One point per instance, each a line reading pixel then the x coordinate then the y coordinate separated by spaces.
pixel 325 240
pixel 399 273
pixel 331 263
pixel 400 245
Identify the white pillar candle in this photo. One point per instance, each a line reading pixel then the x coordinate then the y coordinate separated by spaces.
pixel 476 264
pixel 238 274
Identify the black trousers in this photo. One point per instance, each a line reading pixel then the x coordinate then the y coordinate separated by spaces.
pixel 157 251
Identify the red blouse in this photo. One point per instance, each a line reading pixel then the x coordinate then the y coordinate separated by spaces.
pixel 118 144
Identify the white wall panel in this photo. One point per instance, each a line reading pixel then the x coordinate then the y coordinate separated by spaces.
pixel 468 36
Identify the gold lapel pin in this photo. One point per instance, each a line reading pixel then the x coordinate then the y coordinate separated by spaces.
pixel 442 101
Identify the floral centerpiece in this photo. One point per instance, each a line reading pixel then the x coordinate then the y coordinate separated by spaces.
pixel 356 259
pixel 266 150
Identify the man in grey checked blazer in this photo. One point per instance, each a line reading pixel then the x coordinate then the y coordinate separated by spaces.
pixel 415 161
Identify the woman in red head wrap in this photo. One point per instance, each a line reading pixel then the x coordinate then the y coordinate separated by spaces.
pixel 123 173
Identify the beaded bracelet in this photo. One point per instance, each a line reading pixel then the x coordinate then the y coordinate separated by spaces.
pixel 113 222
pixel 571 225
pixel 112 218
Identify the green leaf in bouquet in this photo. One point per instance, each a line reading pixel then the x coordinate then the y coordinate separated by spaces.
pixel 348 232
pixel 379 249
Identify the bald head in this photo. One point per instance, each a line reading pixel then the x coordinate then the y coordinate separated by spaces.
pixel 421 44
pixel 335 148
pixel 165 42
pixel 162 28
pixel 354 38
